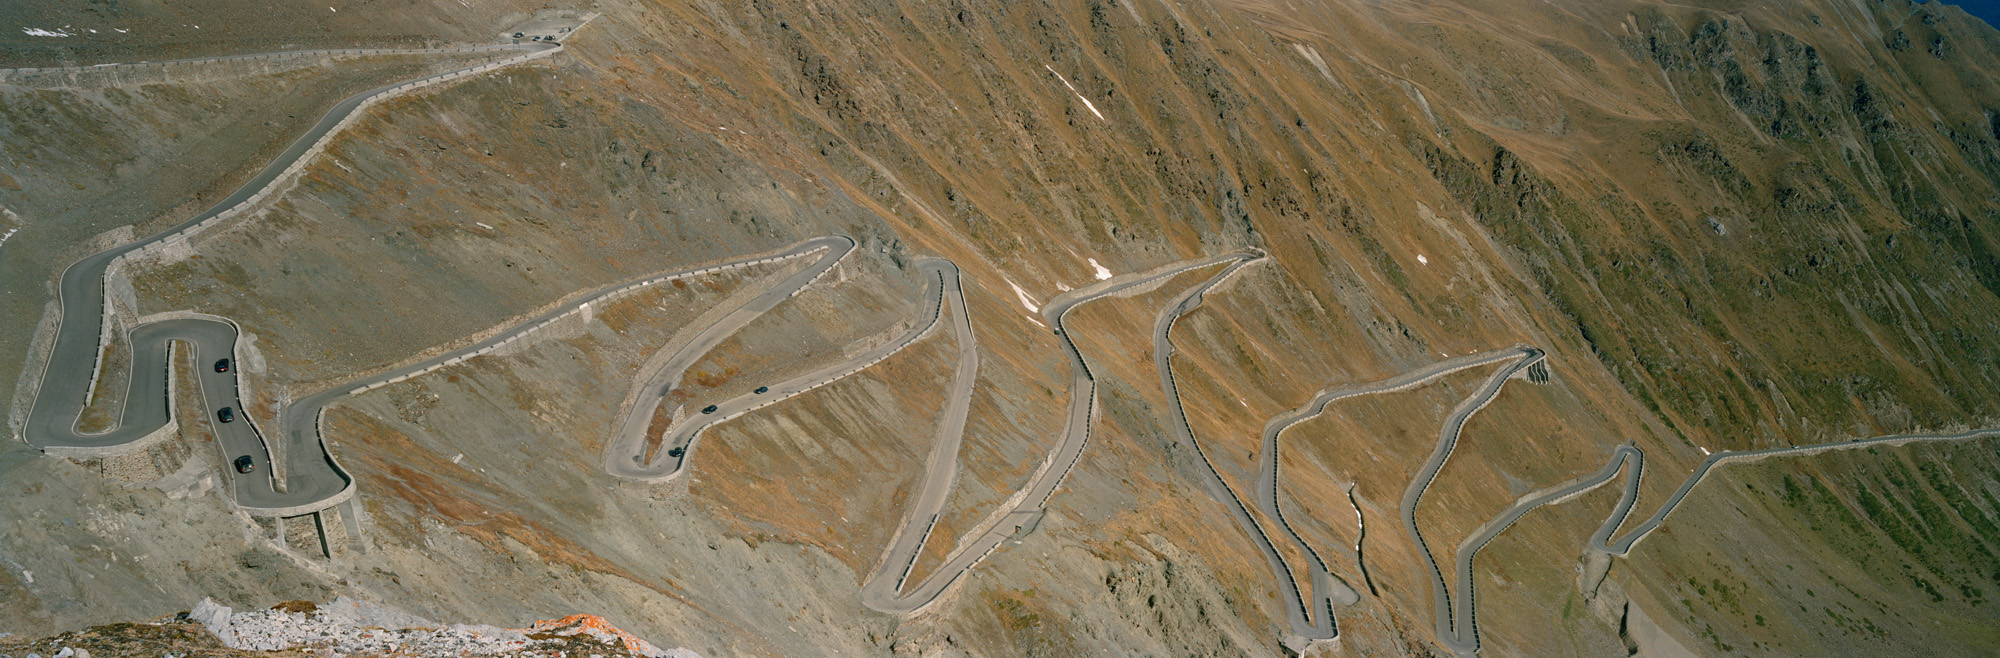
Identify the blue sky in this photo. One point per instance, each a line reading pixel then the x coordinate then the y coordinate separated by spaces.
pixel 1986 9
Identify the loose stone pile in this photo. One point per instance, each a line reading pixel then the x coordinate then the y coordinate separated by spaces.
pixel 350 627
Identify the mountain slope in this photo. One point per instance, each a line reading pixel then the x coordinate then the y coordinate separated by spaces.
pixel 1731 225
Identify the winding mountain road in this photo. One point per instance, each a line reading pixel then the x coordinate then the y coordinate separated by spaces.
pixel 1023 510
pixel 1328 589
pixel 314 479
pixel 1456 620
pixel 1459 637
pixel 882 591
pixel 625 454
pixel 69 374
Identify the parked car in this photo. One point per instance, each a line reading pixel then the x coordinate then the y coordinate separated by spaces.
pixel 708 409
pixel 763 389
pixel 222 365
pixel 518 35
pixel 676 452
pixel 244 464
pixel 225 414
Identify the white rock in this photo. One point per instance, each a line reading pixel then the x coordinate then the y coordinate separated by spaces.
pixel 217 618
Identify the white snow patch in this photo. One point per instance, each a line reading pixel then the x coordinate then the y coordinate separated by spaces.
pixel 1422 260
pixel 458 458
pixel 1079 95
pixel 484 226
pixel 1703 450
pixel 39 32
pixel 8 234
pixel 1025 299
pixel 28 576
pixel 1102 271
pixel 121 31
pixel 333 10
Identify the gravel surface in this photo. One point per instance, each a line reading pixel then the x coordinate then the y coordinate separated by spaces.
pixel 351 627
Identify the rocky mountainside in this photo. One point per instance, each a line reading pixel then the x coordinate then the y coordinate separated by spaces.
pixel 1729 225
pixel 341 627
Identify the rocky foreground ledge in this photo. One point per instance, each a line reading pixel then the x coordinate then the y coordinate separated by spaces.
pixel 341 628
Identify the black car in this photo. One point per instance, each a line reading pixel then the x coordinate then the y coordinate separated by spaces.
pixel 762 390
pixel 222 365
pixel 245 465
pixel 225 414
pixel 676 452
pixel 708 409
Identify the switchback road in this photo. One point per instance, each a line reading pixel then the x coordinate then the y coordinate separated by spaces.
pixel 1456 620
pixel 625 455
pixel 1023 510
pixel 1328 588
pixel 1456 636
pixel 883 590
pixel 69 375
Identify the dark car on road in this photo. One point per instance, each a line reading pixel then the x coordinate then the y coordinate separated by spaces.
pixel 763 389
pixel 244 464
pixel 225 414
pixel 222 365
pixel 676 452
pixel 708 409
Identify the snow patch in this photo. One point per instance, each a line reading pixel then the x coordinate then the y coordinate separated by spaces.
pixel 39 32
pixel 1072 89
pixel 1421 260
pixel 1102 271
pixel 1025 299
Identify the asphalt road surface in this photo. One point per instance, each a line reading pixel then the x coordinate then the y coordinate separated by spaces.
pixel 1328 588
pixel 1457 621
pixel 1461 638
pixel 883 590
pixel 71 368
pixel 625 455
pixel 1023 510
pixel 315 480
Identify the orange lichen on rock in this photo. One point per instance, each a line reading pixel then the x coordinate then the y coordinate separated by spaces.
pixel 596 627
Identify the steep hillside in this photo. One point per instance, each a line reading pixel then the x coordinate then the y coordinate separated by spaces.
pixel 1731 225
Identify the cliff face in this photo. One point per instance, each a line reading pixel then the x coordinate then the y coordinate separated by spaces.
pixel 1732 225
